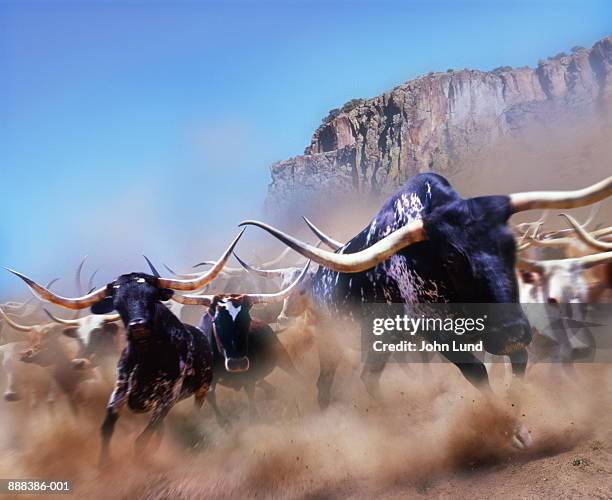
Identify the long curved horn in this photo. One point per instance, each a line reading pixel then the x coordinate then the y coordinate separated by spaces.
pixel 555 234
pixel 70 322
pixel 77 276
pixel 79 282
pixel 277 260
pixel 604 231
pixel 586 262
pixel 330 242
pixel 193 299
pixel 270 263
pixel 529 225
pixel 203 280
pixel 12 324
pixel 69 303
pixel 586 237
pixel 264 273
pixel 561 199
pixel 256 298
pixel 264 298
pixel 107 318
pixel 589 261
pixel 229 271
pixel 556 242
pixel 355 262
pixel 154 271
pixel 90 282
pixel 19 308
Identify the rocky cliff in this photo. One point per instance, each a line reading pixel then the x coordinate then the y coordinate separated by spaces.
pixel 432 123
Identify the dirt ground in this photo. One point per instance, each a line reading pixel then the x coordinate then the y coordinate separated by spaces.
pixel 430 436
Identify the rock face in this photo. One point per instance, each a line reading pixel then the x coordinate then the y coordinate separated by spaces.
pixel 371 146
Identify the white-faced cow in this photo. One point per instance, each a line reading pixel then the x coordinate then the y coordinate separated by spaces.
pixel 245 349
pixel 42 346
pixel 102 340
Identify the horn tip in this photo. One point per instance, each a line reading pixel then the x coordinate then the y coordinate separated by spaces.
pixel 22 276
pixel 249 222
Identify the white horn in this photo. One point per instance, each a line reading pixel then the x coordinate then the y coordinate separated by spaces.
pixel 561 199
pixel 356 262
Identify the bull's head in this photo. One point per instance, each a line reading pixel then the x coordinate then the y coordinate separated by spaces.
pixel 99 336
pixel 297 302
pixel 231 319
pixel 41 341
pixel 231 316
pixel 134 296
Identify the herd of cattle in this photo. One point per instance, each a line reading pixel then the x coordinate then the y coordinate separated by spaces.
pixel 425 245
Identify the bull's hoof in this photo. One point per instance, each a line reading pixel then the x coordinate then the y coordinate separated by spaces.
pixel 521 437
pixel 324 400
pixel 12 396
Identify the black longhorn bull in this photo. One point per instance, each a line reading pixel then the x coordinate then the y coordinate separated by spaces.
pixel 164 360
pixel 245 349
pixel 429 245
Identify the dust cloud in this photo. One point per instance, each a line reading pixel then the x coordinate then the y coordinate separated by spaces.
pixel 428 426
pixel 429 423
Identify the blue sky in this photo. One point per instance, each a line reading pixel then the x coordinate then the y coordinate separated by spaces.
pixel 145 127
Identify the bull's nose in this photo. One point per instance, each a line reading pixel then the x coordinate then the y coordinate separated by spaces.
pixel 137 324
pixel 11 396
pixel 80 363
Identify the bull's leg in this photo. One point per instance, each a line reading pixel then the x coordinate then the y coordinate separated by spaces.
pixel 12 386
pixel 268 388
pixel 250 390
pixel 222 420
pixel 155 424
pixel 286 364
pixel 200 396
pixel 521 437
pixel 324 382
pixel 117 401
pixel 50 402
pixel 472 369
pixel 72 402
pixel 372 370
pixel 107 429
pixel 519 359
pixel 328 361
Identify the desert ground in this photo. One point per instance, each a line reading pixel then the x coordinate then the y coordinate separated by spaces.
pixel 430 435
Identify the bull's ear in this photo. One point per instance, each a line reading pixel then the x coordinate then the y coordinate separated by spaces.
pixel 104 306
pixel 165 294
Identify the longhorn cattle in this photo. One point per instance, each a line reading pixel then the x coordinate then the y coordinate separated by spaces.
pixel 101 338
pixel 427 244
pixel 43 345
pixel 568 284
pixel 164 360
pixel 25 382
pixel 245 349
